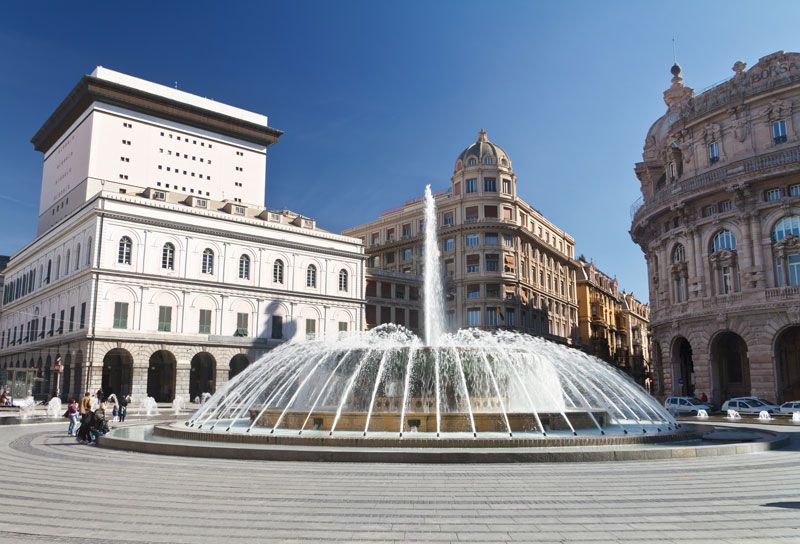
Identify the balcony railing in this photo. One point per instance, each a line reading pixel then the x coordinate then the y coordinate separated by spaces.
pixel 783 292
pixel 716 176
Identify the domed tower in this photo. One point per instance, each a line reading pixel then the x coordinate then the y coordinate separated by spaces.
pixel 719 223
pixel 484 160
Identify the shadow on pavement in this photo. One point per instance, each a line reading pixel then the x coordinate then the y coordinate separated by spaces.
pixel 795 505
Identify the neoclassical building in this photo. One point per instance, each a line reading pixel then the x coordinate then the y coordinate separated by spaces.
pixel 719 223
pixel 157 271
pixel 506 265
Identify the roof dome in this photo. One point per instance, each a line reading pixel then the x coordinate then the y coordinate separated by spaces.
pixel 482 152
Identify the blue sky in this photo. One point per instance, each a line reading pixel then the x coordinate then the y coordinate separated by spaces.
pixel 377 98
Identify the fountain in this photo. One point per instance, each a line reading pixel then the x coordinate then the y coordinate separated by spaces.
pixel 702 414
pixel 733 414
pixel 54 407
pixel 27 408
pixel 149 407
pixel 763 415
pixel 178 404
pixel 471 384
pixel 795 417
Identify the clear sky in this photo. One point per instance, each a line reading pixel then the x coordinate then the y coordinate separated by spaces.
pixel 378 98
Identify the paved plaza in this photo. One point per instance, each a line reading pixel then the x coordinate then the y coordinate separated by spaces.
pixel 58 491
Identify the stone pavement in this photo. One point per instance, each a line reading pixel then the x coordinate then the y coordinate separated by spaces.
pixel 55 490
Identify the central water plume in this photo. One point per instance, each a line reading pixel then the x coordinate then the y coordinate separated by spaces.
pixel 433 293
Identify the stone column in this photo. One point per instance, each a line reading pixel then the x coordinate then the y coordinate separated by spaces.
pixel 141 365
pixel 182 375
pixel 702 279
pixel 763 372
pixel 758 256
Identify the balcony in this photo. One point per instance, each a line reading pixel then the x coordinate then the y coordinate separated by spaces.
pixel 717 176
pixel 790 291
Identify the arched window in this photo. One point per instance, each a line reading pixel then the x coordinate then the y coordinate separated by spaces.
pixel 725 264
pixel 488 160
pixel 89 252
pixel 277 272
pixel 244 267
pixel 724 240
pixel 66 264
pixel 41 274
pixel 78 257
pixel 786 251
pixel 788 226
pixel 311 276
pixel 168 257
pixel 472 161
pixel 343 280
pixel 58 267
pixel 124 250
pixel 208 261
pixel 678 254
pixel 49 269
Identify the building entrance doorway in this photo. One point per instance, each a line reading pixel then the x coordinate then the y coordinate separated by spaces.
pixel 117 373
pixel 238 363
pixel 161 376
pixel 787 355
pixel 683 366
pixel 730 366
pixel 202 376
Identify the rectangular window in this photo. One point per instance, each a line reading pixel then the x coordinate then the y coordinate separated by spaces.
pixel 277 327
pixel 342 326
pixel 457 188
pixel 449 219
pixel 794 190
pixel 779 131
pixel 471 214
pixel 450 244
pixel 507 186
pixel 400 291
pixel 492 290
pixel 52 323
pixel 61 322
pixel 773 194
pixel 725 206
pixel 406 230
pixel 489 185
pixel 390 235
pixel 491 239
pixel 408 254
pixel 472 240
pixel 204 327
pixel 726 277
pixel 72 318
pixel 794 269
pixel 511 317
pixel 508 214
pixel 241 324
pixel 490 212
pixel 471 186
pixel 165 318
pixel 492 262
pixel 389 258
pixel 474 291
pixel 473 263
pixel 376 238
pixel 474 317
pixel 311 328
pixel 509 265
pixel 713 152
pixel 508 240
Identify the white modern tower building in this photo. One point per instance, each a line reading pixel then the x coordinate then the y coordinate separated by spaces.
pixel 157 270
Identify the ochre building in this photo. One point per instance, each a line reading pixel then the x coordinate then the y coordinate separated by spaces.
pixel 719 223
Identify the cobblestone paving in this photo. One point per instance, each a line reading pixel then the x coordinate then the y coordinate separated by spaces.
pixel 55 490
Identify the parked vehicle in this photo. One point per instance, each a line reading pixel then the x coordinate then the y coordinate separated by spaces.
pixel 749 405
pixel 790 407
pixel 680 406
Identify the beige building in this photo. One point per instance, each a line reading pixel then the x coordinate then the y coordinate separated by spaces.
pixel 506 265
pixel 612 323
pixel 719 223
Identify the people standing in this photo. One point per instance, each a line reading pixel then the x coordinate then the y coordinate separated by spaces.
pixel 99 396
pixel 123 407
pixel 99 426
pixel 72 413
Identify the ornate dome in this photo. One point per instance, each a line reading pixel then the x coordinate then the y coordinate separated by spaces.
pixel 482 152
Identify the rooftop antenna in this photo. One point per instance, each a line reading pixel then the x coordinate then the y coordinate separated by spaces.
pixel 674 50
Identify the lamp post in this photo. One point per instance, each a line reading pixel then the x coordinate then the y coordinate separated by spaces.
pixel 58 368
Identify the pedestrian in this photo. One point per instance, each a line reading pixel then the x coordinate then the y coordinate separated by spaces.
pixel 85 406
pixel 83 436
pixel 99 426
pixel 72 413
pixel 704 397
pixel 115 407
pixel 99 396
pixel 123 407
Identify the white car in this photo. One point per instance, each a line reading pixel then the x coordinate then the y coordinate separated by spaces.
pixel 749 405
pixel 790 407
pixel 678 406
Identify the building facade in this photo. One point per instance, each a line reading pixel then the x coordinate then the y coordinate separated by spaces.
pixel 505 264
pixel 152 281
pixel 719 223
pixel 612 324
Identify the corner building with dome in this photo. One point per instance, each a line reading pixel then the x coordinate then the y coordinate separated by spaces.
pixel 506 265
pixel 719 223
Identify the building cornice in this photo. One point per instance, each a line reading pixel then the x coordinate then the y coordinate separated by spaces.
pixel 92 89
